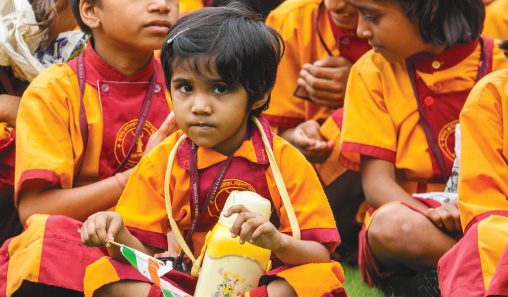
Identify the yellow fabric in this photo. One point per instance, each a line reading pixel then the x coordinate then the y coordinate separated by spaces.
pixel 295 21
pixel 331 169
pixel 5 130
pixel 496 19
pixel 28 245
pixel 50 138
pixel 319 284
pixel 148 178
pixel 188 6
pixel 483 178
pixel 100 271
pixel 492 241
pixel 381 111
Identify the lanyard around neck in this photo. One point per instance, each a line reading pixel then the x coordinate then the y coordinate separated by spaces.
pixel 83 121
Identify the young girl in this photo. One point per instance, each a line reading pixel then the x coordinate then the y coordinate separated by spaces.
pixel 220 64
pixel 82 127
pixel 476 266
pixel 402 105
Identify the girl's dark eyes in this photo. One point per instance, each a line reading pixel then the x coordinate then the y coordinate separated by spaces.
pixel 371 18
pixel 185 88
pixel 220 89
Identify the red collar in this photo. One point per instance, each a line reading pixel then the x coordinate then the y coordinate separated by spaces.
pixel 97 69
pixel 423 61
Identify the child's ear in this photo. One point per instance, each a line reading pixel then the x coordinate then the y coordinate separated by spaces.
pixel 89 14
pixel 261 102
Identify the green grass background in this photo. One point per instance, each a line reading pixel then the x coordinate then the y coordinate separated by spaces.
pixel 354 285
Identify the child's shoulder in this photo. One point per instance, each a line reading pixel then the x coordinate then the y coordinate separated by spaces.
pixel 489 91
pixel 372 64
pixel 56 74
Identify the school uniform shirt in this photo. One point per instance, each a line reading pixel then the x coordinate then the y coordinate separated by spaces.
pixel 143 209
pixel 477 265
pixel 50 144
pixel 296 22
pixel 496 20
pixel 381 117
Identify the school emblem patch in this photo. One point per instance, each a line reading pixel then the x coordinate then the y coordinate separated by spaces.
pixel 447 139
pixel 124 139
pixel 227 186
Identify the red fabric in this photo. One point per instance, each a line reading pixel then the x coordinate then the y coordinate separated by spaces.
pixel 450 57
pixel 338 117
pixel 483 216
pixel 127 92
pixel 258 292
pixel 459 270
pixel 45 174
pixel 280 121
pixel 499 284
pixel 7 157
pixel 155 291
pixel 367 150
pixel 4 266
pixel 350 46
pixel 64 258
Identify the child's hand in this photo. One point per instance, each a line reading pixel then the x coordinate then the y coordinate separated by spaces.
pixel 168 127
pixel 325 80
pixel 446 217
pixel 307 139
pixel 254 228
pixel 101 227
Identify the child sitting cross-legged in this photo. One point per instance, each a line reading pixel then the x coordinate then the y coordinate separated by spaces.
pixel 220 66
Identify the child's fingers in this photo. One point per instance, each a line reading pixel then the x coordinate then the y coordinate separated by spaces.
pixel 260 230
pixel 169 125
pixel 235 209
pixel 434 217
pixel 248 228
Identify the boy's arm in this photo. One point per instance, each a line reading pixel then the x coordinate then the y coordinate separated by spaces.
pixel 35 196
pixel 9 106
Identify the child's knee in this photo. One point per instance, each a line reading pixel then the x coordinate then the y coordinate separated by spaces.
pixel 124 289
pixel 393 223
pixel 280 287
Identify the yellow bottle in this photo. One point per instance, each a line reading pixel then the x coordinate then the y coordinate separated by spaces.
pixel 228 267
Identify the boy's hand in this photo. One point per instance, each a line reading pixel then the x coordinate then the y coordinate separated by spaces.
pixel 254 228
pixel 307 139
pixel 168 127
pixel 325 80
pixel 101 227
pixel 446 217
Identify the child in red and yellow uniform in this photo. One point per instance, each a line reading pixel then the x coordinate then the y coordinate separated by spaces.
pixel 215 89
pixel 402 105
pixel 496 19
pixel 82 127
pixel 477 265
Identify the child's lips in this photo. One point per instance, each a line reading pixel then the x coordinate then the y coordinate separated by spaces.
pixel 159 26
pixel 203 126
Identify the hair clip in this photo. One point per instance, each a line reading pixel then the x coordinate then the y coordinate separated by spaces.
pixel 176 35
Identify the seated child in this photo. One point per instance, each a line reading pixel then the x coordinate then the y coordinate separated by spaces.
pixel 402 104
pixel 220 64
pixel 496 19
pixel 76 148
pixel 477 264
pixel 40 33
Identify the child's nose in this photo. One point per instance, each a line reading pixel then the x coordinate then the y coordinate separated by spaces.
pixel 362 30
pixel 159 5
pixel 201 105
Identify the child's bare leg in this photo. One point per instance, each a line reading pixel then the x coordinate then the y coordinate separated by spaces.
pixel 280 287
pixel 401 237
pixel 124 289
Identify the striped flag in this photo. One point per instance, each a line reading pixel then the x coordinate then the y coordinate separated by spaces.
pixel 152 269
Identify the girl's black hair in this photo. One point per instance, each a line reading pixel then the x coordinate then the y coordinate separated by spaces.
pixel 231 39
pixel 263 7
pixel 504 46
pixel 445 23
pixel 77 14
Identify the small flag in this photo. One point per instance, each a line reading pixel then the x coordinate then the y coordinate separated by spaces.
pixel 152 269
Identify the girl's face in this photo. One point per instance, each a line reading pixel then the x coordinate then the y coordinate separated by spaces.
pixel 389 30
pixel 136 25
pixel 207 110
pixel 343 13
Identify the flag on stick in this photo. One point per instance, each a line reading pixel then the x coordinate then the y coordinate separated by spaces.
pixel 152 269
